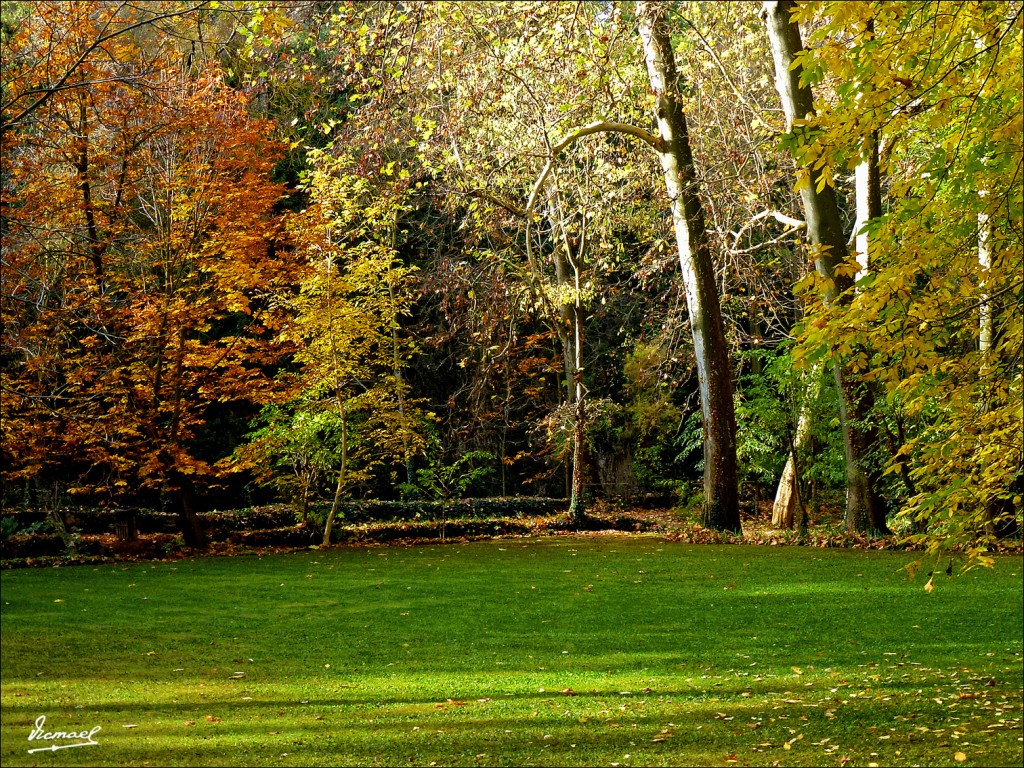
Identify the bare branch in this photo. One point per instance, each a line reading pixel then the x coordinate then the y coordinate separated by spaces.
pixel 62 82
pixel 794 225
pixel 498 201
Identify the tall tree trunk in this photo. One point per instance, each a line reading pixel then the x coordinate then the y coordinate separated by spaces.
pixel 180 482
pixel 868 194
pixel 396 364
pixel 191 526
pixel 721 510
pixel 864 508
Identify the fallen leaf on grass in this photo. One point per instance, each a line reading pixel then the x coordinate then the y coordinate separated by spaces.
pixel 959 757
pixel 569 692
pixel 190 722
pixel 214 719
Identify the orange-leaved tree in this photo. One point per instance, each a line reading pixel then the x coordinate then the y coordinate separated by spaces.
pixel 139 262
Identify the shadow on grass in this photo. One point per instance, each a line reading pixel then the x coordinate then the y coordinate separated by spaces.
pixel 557 730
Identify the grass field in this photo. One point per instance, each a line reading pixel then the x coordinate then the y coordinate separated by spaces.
pixel 606 650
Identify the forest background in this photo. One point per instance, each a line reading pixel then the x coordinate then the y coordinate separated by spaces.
pixel 717 252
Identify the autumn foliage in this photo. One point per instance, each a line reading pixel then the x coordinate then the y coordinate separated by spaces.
pixel 139 258
pixel 315 251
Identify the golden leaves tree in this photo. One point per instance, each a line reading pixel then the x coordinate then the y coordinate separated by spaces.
pixel 139 255
pixel 347 315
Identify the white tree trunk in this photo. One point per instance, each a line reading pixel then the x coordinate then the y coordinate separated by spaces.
pixel 864 509
pixel 985 262
pixel 868 185
pixel 721 494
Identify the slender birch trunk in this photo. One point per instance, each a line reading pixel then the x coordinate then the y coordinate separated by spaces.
pixel 1002 521
pixel 568 266
pixel 868 186
pixel 340 485
pixel 984 308
pixel 396 364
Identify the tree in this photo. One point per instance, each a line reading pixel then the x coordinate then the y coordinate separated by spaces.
pixel 913 326
pixel 721 509
pixel 346 319
pixel 864 508
pixel 672 147
pixel 62 66
pixel 139 252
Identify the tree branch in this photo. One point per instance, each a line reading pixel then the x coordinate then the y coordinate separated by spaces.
pixel 793 224
pixel 61 83
pixel 498 201
pixel 601 126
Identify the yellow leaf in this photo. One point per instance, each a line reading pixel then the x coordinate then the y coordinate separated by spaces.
pixel 959 757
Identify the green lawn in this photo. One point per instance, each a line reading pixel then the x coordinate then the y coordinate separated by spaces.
pixel 607 650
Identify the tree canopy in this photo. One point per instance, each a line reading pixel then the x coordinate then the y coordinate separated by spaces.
pixel 314 250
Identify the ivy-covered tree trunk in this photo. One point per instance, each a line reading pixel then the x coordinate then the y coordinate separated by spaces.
pixel 864 508
pixel 721 490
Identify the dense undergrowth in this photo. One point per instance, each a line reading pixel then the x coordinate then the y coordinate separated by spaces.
pixel 88 538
